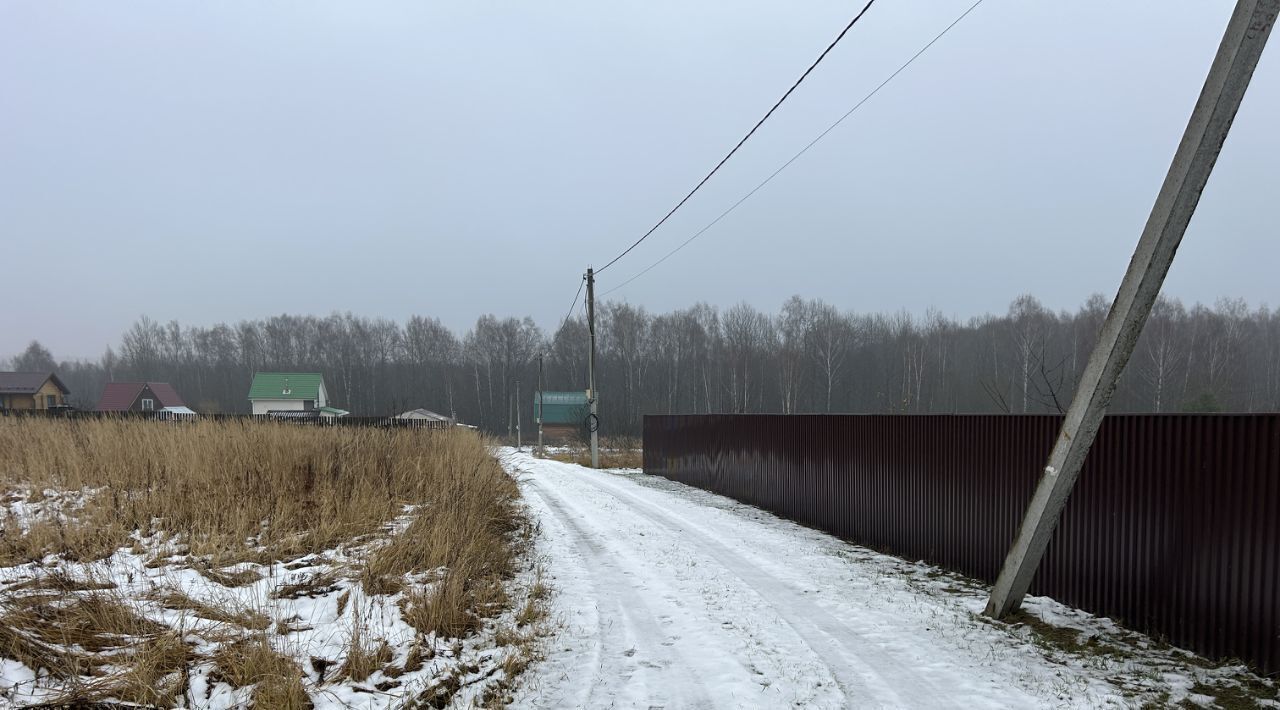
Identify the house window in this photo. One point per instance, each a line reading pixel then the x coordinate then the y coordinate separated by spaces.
pixel 148 405
pixel 50 400
pixel 308 404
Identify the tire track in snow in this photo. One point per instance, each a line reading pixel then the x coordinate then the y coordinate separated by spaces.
pixel 772 614
pixel 740 652
pixel 647 654
pixel 865 666
pixel 595 648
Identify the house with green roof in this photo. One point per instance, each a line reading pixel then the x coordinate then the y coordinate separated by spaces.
pixel 287 392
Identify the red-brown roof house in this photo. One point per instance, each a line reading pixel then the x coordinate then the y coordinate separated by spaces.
pixel 138 397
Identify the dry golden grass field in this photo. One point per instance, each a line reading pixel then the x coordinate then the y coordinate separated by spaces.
pixel 221 564
pixel 614 452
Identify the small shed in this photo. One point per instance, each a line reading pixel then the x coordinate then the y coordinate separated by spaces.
pixel 425 419
pixel 563 414
pixel 426 414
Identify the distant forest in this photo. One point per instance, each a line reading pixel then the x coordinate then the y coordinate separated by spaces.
pixel 809 357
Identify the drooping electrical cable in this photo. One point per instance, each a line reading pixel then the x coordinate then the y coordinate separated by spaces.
pixel 750 133
pixel 802 151
pixel 569 315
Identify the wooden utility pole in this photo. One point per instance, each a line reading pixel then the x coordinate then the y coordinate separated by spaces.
pixel 1229 76
pixel 593 420
pixel 540 403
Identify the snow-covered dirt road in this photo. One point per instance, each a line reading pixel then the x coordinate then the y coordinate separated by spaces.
pixel 672 597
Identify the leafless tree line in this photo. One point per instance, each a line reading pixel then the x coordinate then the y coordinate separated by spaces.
pixel 809 357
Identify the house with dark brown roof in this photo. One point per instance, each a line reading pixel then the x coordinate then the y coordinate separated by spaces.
pixel 138 397
pixel 32 390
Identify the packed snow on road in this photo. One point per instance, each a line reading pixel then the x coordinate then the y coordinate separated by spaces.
pixel 669 596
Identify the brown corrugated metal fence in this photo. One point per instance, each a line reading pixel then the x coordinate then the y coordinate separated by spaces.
pixel 1172 528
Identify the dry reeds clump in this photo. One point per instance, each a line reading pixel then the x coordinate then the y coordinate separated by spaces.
pixel 77 633
pixel 365 656
pixel 444 610
pixel 93 622
pixel 233 490
pixel 59 581
pixel 468 534
pixel 277 680
pixel 429 514
pixel 221 613
pixel 615 452
pixel 156 674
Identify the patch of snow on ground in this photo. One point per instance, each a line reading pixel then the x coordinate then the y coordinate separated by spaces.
pixel 315 624
pixel 26 507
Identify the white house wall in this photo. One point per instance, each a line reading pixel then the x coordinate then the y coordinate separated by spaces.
pixel 262 406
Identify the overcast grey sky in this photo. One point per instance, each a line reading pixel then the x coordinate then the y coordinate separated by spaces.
pixel 214 161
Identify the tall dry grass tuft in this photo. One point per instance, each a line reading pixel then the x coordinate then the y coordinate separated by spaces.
pixel 365 655
pixel 79 632
pixel 469 536
pixel 239 490
pixel 444 610
pixel 277 680
pixel 155 676
pixel 615 452
pixel 438 513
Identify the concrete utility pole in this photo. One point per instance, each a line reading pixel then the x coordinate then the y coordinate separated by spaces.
pixel 1246 35
pixel 540 450
pixel 519 440
pixel 593 421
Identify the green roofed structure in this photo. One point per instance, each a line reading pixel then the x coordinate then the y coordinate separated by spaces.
pixel 290 392
pixel 564 414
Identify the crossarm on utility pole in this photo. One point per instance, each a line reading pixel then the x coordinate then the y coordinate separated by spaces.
pixel 1229 76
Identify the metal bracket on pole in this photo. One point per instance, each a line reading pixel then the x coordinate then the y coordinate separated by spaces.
pixel 1229 76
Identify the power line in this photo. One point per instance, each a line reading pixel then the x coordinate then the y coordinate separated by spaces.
pixel 751 132
pixel 803 150
pixel 569 315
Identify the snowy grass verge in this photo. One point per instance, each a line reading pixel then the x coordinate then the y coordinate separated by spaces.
pixel 229 564
pixel 617 452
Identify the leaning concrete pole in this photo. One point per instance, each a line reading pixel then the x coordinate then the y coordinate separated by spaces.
pixel 1246 35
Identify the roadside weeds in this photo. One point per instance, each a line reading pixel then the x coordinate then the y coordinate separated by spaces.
pixel 174 564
